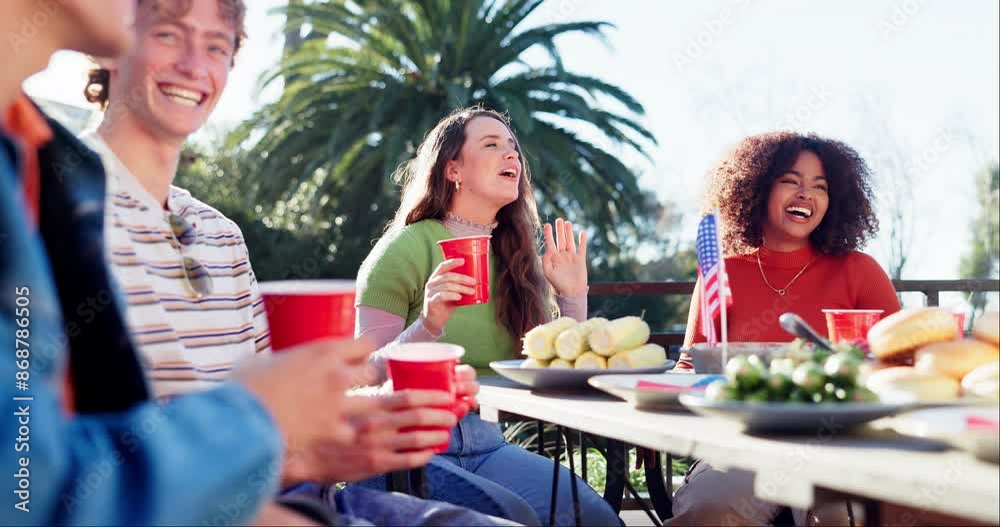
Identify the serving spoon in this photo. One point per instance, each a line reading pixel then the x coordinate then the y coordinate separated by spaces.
pixel 794 324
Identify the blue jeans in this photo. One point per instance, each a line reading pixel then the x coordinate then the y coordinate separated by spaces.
pixel 358 506
pixel 481 471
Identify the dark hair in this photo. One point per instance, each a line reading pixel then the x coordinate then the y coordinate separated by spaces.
pixel 234 11
pixel 427 194
pixel 741 186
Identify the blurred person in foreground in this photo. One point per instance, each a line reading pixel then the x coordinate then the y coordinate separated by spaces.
pixel 88 445
pixel 194 308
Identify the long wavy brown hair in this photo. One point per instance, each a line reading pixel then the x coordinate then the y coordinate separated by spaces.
pixel 741 185
pixel 427 194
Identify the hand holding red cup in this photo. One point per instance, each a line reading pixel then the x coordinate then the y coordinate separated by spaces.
pixel 432 366
pixel 300 311
pixel 474 251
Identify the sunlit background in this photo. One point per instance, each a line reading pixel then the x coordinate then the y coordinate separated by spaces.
pixel 911 84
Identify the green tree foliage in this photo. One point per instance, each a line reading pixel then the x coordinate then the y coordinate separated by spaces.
pixel 356 103
pixel 982 259
pixel 308 178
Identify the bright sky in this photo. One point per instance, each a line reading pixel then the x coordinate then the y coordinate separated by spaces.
pixel 713 71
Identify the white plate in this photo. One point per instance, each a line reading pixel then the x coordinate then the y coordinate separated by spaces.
pixel 792 418
pixel 950 425
pixel 625 387
pixel 561 378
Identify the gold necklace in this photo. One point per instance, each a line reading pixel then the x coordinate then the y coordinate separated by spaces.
pixel 783 290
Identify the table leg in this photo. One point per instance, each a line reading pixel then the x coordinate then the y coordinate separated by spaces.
pixel 572 476
pixel 583 456
pixel 541 437
pixel 659 495
pixel 555 477
pixel 873 512
pixel 616 455
pixel 642 505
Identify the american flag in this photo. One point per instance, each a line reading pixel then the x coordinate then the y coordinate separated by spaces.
pixel 714 282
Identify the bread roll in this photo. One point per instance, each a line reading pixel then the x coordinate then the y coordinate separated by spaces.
pixel 955 358
pixel 904 384
pixel 983 381
pixel 987 328
pixel 910 329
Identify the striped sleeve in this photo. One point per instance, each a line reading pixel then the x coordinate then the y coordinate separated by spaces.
pixel 261 333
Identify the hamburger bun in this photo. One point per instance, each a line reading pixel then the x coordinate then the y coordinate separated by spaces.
pixel 983 381
pixel 910 329
pixel 905 384
pixel 987 328
pixel 955 358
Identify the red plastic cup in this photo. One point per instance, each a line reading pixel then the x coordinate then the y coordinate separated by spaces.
pixel 850 325
pixel 960 322
pixel 475 250
pixel 300 311
pixel 427 366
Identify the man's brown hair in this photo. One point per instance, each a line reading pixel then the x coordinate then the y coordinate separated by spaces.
pixel 233 11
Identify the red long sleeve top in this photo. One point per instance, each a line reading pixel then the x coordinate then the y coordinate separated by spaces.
pixel 851 281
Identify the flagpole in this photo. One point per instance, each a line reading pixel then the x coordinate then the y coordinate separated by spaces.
pixel 723 287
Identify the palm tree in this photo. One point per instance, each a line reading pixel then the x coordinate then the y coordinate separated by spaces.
pixel 359 98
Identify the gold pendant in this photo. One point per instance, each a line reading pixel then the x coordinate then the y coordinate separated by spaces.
pixel 781 292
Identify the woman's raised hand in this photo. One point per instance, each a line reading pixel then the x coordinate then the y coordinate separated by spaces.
pixel 443 289
pixel 564 262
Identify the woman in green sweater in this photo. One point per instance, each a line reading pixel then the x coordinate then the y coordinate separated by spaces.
pixel 468 178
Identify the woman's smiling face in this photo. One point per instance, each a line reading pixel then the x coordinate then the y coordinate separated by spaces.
pixel 489 164
pixel 798 202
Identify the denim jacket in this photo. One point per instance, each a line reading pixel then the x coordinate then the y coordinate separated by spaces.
pixel 207 458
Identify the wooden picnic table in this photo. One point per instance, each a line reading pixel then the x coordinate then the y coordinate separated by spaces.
pixel 867 464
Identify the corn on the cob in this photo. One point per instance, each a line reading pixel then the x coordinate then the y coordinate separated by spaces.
pixel 539 342
pixel 645 356
pixel 559 363
pixel 571 343
pixel 535 363
pixel 619 335
pixel 591 361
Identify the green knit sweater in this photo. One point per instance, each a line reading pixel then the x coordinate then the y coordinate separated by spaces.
pixel 393 277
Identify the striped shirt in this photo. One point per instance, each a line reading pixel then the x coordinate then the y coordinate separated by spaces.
pixel 186 343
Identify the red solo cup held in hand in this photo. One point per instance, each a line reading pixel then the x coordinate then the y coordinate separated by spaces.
pixel 300 311
pixel 850 325
pixel 475 250
pixel 427 366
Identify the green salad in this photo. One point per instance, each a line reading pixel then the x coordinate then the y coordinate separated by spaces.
pixel 800 372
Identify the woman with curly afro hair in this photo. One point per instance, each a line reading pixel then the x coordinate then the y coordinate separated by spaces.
pixel 795 211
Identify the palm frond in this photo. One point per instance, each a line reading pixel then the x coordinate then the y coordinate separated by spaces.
pixel 355 105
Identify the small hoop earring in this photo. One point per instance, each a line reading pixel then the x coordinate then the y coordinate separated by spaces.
pixel 458 185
